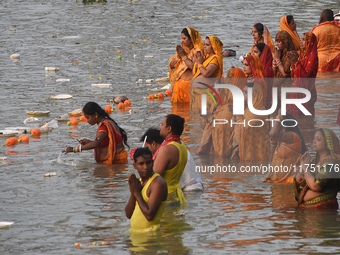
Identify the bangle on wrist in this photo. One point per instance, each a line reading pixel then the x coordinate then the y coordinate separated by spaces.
pixel 183 59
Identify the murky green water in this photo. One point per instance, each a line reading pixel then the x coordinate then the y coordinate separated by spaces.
pixel 85 202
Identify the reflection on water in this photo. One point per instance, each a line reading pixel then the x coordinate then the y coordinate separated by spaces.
pixel 84 202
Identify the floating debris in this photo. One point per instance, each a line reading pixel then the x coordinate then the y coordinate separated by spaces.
pixel 50 174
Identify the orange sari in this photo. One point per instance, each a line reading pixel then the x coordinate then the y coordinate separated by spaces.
pixel 253 142
pixel 112 155
pixel 181 87
pixel 328 37
pixel 304 73
pixel 284 26
pixel 268 40
pixel 215 140
pixel 257 70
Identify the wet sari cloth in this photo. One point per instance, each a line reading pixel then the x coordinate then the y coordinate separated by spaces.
pixel 253 141
pixel 287 156
pixel 328 38
pixel 112 155
pixel 281 80
pixel 304 73
pixel 325 176
pixel 257 71
pixel 216 59
pixel 267 60
pixel 268 40
pixel 181 87
pixel 215 140
pixel 284 26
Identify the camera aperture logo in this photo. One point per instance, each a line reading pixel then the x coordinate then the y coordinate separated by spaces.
pixel 238 103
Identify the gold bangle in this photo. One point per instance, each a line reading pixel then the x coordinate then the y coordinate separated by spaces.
pixel 183 59
pixel 199 66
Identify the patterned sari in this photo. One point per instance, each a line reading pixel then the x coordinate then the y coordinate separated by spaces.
pixel 251 143
pixel 327 177
pixel 268 40
pixel 304 73
pixel 181 87
pixel 215 140
pixel 328 38
pixel 284 26
pixel 110 154
pixel 257 71
pixel 216 59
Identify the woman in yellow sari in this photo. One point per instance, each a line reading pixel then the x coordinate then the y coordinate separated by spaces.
pixel 180 65
pixel 247 142
pixel 206 70
pixel 261 35
pixel 215 140
pixel 287 23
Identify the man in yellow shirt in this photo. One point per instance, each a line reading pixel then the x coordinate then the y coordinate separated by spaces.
pixel 171 157
pixel 148 195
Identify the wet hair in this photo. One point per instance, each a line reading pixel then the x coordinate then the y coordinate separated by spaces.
pixel 176 123
pixel 289 122
pixel 259 27
pixel 91 108
pixel 152 135
pixel 141 152
pixel 186 33
pixel 289 18
pixel 260 46
pixel 326 15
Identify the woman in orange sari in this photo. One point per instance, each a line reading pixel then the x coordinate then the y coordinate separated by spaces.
pixel 317 183
pixel 180 65
pixel 253 69
pixel 287 23
pixel 247 142
pixel 215 140
pixel 261 35
pixel 288 146
pixel 206 70
pixel 265 54
pixel 110 139
pixel 328 38
pixel 304 72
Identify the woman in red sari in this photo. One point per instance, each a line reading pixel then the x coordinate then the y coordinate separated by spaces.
pixel 110 139
pixel 303 73
pixel 263 51
pixel 253 69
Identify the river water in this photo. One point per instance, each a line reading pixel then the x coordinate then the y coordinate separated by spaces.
pixel 84 203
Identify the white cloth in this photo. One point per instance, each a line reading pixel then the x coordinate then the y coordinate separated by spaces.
pixel 190 179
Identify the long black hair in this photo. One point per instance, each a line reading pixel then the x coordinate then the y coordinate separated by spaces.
pixel 295 129
pixel 91 108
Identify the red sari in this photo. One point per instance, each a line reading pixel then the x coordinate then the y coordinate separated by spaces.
pixel 267 59
pixel 257 71
pixel 304 73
